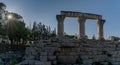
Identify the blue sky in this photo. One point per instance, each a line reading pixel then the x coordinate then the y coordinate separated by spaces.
pixel 45 11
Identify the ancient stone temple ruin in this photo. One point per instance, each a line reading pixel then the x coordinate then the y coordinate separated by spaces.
pixel 81 21
pixel 74 52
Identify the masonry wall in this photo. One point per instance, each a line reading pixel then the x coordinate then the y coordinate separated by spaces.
pixel 85 52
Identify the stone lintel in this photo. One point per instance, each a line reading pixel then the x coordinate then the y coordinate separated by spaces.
pixel 81 14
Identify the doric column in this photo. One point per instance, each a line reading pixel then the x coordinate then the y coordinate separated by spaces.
pixel 100 29
pixel 81 22
pixel 60 32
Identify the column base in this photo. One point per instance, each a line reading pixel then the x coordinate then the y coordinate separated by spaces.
pixel 60 37
pixel 83 37
pixel 101 39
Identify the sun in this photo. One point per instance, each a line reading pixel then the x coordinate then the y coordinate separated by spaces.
pixel 9 16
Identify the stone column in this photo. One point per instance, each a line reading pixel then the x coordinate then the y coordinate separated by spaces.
pixel 100 29
pixel 60 30
pixel 81 22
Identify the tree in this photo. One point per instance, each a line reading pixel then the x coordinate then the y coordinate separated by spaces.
pixel 15 28
pixel 13 61
pixel 1 30
pixel 67 36
pixel 86 37
pixel 34 26
pixel 14 16
pixel 53 33
pixel 2 5
pixel 36 31
pixel 93 37
pixel 41 31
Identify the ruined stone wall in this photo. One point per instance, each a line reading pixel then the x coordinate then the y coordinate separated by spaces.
pixel 82 52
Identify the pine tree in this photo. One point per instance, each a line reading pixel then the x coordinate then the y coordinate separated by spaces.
pixel 34 26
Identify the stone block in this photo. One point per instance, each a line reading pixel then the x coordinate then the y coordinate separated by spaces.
pixel 49 49
pixel 116 56
pixel 109 45
pixel 118 49
pixel 43 63
pixel 43 58
pixel 84 56
pixel 108 49
pixel 97 57
pixel 51 58
pixel 75 49
pixel 118 45
pixel 50 53
pixel 43 53
pixel 54 62
pixel 86 64
pixel 29 57
pixel 89 61
pixel 116 59
pixel 104 63
pixel 116 63
pixel 114 52
pixel 67 59
pixel 40 45
pixel 73 53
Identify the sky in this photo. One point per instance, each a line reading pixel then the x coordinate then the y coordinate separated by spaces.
pixel 45 11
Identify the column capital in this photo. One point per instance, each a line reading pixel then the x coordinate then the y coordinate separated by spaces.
pixel 100 21
pixel 60 18
pixel 81 19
